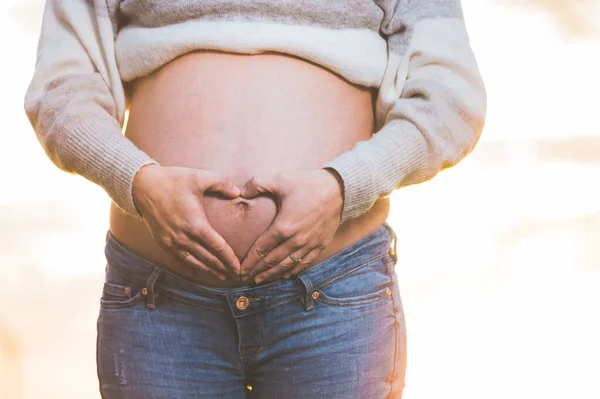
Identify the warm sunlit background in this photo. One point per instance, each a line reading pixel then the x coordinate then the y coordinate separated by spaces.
pixel 499 257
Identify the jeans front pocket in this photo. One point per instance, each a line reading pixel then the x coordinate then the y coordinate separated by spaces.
pixel 362 284
pixel 118 292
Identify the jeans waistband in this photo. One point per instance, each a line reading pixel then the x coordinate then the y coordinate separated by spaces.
pixel 132 266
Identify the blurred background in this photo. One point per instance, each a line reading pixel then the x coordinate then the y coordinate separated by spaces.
pixel 499 257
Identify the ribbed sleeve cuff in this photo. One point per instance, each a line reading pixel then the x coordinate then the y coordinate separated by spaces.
pixel 375 167
pixel 99 152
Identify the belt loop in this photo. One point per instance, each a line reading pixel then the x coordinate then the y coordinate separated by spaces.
pixel 308 299
pixel 394 242
pixel 149 290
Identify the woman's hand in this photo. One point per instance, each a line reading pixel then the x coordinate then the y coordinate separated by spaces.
pixel 309 211
pixel 170 200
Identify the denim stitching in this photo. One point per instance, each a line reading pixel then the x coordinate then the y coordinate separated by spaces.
pixel 371 298
pixel 393 374
pixel 340 275
pixel 283 302
pixel 108 304
pixel 179 298
pixel 117 290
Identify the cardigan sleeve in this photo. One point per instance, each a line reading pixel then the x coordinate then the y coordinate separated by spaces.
pixel 430 108
pixel 76 102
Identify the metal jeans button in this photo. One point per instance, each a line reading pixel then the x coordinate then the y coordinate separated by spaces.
pixel 242 302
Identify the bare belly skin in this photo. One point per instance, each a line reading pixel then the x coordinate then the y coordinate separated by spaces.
pixel 244 116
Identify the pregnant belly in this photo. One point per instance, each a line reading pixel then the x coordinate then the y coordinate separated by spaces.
pixel 243 116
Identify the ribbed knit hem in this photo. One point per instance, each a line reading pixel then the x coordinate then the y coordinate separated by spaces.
pixel 376 167
pixel 99 152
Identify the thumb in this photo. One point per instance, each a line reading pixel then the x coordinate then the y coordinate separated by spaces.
pixel 257 186
pixel 225 187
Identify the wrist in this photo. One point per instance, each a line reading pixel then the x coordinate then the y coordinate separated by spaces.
pixel 140 181
pixel 338 183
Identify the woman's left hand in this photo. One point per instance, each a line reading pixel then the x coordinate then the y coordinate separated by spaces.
pixel 309 210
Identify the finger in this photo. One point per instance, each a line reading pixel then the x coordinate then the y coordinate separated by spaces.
pixel 283 266
pixel 307 261
pixel 191 259
pixel 272 259
pixel 273 236
pixel 224 186
pixel 278 255
pixel 215 243
pixel 259 185
pixel 278 269
pixel 206 257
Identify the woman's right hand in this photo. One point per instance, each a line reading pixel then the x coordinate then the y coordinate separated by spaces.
pixel 170 199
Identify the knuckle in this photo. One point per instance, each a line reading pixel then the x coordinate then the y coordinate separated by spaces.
pixel 184 224
pixel 256 181
pixel 211 260
pixel 195 227
pixel 166 240
pixel 219 252
pixel 260 252
pixel 299 242
pixel 183 229
pixel 219 248
pixel 280 268
pixel 220 180
pixel 290 265
pixel 179 240
pixel 199 180
pixel 205 178
pixel 285 264
pixel 200 235
pixel 284 230
pixel 270 263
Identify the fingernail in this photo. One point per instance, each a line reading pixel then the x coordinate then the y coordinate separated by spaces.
pixel 286 275
pixel 257 280
pixel 222 277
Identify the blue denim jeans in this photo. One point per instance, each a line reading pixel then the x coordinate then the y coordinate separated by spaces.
pixel 336 330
